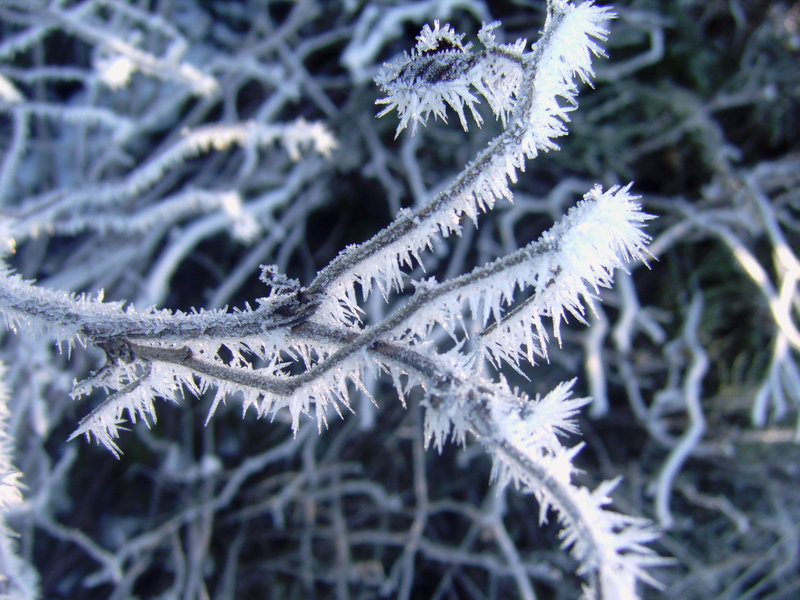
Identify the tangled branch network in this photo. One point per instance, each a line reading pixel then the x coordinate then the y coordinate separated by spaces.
pixel 304 349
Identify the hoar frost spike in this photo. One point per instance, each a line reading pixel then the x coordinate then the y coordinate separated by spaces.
pixel 443 71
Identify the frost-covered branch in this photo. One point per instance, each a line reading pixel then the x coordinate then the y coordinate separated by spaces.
pixel 307 351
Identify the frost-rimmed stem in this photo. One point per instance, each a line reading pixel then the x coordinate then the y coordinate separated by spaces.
pixel 40 211
pixel 407 222
pixel 349 344
pixel 94 320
